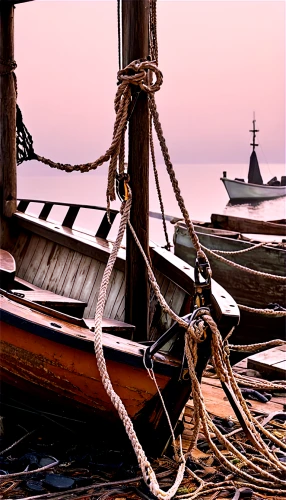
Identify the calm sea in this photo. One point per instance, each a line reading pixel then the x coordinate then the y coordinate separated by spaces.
pixel 200 185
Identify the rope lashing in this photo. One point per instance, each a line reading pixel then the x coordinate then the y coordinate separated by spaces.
pixel 9 64
pixel 136 73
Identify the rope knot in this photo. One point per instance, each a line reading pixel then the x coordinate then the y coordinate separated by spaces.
pixel 8 63
pixel 138 73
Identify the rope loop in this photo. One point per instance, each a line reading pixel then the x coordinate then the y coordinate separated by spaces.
pixel 136 73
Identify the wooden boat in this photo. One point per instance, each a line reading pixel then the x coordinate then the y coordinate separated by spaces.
pixel 250 290
pixel 50 280
pixel 245 225
pixel 238 190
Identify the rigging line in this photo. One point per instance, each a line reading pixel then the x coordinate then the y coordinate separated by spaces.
pixel 119 34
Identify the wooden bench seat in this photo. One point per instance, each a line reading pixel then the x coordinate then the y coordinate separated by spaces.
pixel 7 269
pixel 124 330
pixel 66 305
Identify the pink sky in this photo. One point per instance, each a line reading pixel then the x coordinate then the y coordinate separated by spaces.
pixel 221 60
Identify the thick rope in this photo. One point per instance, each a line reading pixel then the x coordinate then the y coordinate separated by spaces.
pixel 174 182
pixel 238 252
pixel 168 244
pixel 225 374
pixel 258 346
pixel 243 268
pixel 147 471
pixel 265 312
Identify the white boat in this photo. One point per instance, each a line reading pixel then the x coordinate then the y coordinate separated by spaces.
pixel 254 189
pixel 239 190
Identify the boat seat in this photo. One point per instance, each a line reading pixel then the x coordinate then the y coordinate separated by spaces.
pixel 66 305
pixel 113 326
pixel 7 269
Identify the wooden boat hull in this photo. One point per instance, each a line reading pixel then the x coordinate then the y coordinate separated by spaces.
pixel 247 289
pixel 64 363
pixel 244 225
pixel 241 191
pixel 47 347
pixel 55 363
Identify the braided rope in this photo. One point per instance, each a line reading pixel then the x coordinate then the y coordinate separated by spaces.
pixel 136 73
pixel 147 471
pixel 153 30
pixel 168 244
pixel 224 374
pixel 238 252
pixel 265 312
pixel 174 182
pixel 246 269
pixel 257 347
pixel 258 383
pixel 224 371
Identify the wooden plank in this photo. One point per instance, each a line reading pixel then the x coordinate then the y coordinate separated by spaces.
pixel 105 226
pixel 82 273
pixel 29 255
pixel 120 315
pixel 94 247
pixel 271 363
pixel 62 259
pixel 46 210
pixel 65 263
pixel 7 269
pixel 88 285
pixel 44 296
pixel 117 302
pixel 244 225
pixel 23 205
pixel 281 366
pixel 71 216
pixel 90 311
pixel 217 403
pixel 71 275
pixel 43 268
pixel 7 262
pixel 52 265
pixel 20 248
pixel 112 326
pixel 33 268
pixel 115 282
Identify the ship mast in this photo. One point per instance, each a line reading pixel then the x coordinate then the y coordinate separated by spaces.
pixel 135 45
pixel 253 134
pixel 8 179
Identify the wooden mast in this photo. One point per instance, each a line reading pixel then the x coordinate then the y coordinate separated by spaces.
pixel 135 45
pixel 8 180
pixel 7 120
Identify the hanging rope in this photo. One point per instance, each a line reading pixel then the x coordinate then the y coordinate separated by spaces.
pixel 24 141
pixel 238 266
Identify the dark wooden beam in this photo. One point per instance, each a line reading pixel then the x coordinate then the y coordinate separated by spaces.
pixel 8 199
pixel 135 15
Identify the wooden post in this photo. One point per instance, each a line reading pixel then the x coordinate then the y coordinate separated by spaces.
pixel 7 118
pixel 135 43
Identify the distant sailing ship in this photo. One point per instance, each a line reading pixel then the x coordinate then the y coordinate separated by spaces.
pixel 254 189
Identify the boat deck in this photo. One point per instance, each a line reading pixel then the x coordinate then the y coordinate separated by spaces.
pixel 218 405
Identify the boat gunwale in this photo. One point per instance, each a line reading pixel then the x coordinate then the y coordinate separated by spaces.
pixel 115 348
